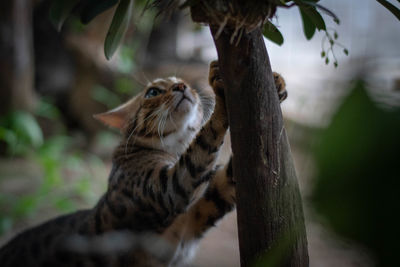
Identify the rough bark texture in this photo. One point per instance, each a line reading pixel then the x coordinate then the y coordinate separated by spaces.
pixel 268 200
pixel 270 214
pixel 16 65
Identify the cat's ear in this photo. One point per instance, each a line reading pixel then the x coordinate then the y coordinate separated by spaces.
pixel 115 118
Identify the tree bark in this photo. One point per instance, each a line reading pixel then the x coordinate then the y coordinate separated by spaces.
pixel 16 53
pixel 269 205
pixel 270 214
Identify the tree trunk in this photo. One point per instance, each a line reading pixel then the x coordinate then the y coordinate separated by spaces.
pixel 269 206
pixel 16 53
pixel 270 214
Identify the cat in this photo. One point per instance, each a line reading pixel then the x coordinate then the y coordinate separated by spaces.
pixel 165 189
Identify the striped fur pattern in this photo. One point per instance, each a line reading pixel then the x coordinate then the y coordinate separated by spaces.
pixel 164 191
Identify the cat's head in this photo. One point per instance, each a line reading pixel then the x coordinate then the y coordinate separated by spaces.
pixel 165 115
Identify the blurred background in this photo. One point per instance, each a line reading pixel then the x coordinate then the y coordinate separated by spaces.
pixel 343 122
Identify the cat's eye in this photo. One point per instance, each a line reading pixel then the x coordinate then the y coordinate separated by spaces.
pixel 152 92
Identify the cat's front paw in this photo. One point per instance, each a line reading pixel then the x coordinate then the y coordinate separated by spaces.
pixel 280 86
pixel 215 79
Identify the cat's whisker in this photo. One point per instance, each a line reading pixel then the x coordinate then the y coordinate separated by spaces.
pixel 158 119
pixel 164 123
pixel 159 132
pixel 159 116
pixel 161 125
pixel 133 131
pixel 147 79
pixel 149 129
pixel 179 69
pixel 129 137
pixel 139 81
pixel 156 116
pixel 172 120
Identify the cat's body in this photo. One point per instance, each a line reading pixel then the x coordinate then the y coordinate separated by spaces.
pixel 164 191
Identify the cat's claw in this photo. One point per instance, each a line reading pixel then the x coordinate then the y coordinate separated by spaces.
pixel 280 86
pixel 218 85
pixel 215 80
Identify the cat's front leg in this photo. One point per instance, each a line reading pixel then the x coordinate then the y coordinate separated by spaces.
pixel 218 200
pixel 197 164
pixel 220 196
pixel 167 189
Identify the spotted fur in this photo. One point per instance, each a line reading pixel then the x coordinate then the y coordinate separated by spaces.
pixel 164 190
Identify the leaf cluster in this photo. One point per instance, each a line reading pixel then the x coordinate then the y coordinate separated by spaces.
pixel 310 12
pixel 312 19
pixel 87 10
pixel 311 15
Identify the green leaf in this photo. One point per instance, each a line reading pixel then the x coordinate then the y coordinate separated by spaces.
pixel 124 85
pixel 94 8
pixel 315 17
pixel 322 8
pixel 118 27
pixel 272 33
pixel 64 205
pixel 105 96
pixel 60 10
pixel 27 128
pixel 47 109
pixel 395 11
pixel 308 25
pixel 26 205
pixel 335 35
pixel 9 138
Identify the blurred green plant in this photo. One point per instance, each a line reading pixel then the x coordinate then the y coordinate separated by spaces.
pixel 123 89
pixel 23 138
pixel 105 96
pixel 125 86
pixel 356 188
pixel 45 108
pixel 20 131
pixel 126 64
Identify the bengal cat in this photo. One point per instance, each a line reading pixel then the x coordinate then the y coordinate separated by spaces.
pixel 164 190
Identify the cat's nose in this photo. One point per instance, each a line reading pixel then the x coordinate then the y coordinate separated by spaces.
pixel 181 87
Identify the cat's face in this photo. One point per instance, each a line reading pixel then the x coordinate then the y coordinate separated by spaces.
pixel 165 115
pixel 167 105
